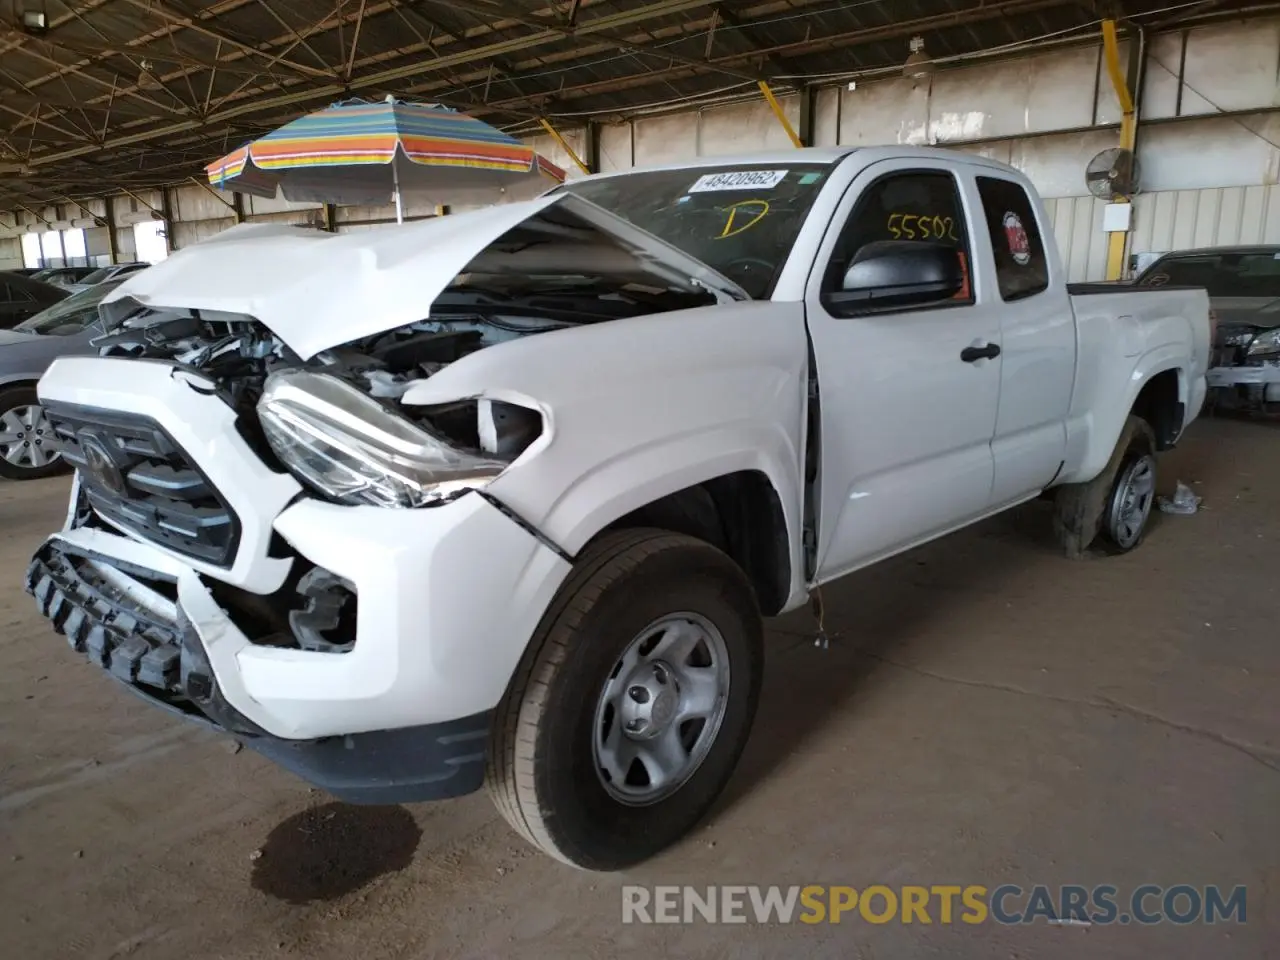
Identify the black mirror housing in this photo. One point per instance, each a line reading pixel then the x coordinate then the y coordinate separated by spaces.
pixel 899 273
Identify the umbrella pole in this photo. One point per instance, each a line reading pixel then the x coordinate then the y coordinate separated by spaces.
pixel 395 178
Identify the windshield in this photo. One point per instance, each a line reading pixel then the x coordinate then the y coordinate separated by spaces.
pixel 739 220
pixel 1222 274
pixel 97 276
pixel 70 316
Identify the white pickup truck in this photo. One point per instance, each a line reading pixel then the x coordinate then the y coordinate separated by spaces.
pixel 502 497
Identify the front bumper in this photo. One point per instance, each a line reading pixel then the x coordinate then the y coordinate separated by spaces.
pixel 1245 385
pixel 115 615
pixel 1264 375
pixel 447 599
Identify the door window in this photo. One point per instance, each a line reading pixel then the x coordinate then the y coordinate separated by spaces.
pixel 920 206
pixel 1022 269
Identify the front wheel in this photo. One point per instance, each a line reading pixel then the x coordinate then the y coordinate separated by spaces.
pixel 633 702
pixel 28 449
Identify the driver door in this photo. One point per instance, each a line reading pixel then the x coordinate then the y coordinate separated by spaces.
pixel 908 392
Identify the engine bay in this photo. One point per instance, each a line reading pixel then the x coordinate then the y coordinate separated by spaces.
pixel 238 353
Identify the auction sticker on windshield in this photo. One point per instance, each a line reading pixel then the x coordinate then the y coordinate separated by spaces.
pixel 739 180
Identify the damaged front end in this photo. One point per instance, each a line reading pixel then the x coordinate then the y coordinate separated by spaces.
pixel 1244 374
pixel 270 533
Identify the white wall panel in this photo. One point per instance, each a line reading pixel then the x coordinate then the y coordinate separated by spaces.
pixel 11 253
pixel 826 115
pixel 1232 67
pixel 1160 90
pixel 886 112
pixel 745 128
pixel 615 147
pixel 1213 152
pixel 256 206
pixel 665 139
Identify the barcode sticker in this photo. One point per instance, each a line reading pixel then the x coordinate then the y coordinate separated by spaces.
pixel 739 180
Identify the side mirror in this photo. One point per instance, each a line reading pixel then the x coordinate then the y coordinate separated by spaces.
pixel 899 273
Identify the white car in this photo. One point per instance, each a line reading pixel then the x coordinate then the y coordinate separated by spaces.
pixel 502 496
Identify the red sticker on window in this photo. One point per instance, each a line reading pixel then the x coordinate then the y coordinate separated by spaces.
pixel 1016 236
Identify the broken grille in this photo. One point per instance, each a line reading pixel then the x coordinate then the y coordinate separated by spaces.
pixel 135 476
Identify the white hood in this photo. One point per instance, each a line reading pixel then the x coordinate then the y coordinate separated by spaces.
pixel 318 290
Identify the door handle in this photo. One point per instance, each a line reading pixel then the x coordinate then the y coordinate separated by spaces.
pixel 974 354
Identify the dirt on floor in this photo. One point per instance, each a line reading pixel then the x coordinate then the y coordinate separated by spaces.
pixel 987 714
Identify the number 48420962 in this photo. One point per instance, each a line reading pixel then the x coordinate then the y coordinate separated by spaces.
pixel 913 226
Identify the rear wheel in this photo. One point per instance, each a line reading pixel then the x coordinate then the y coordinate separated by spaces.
pixel 1132 495
pixel 27 446
pixel 1115 507
pixel 633 703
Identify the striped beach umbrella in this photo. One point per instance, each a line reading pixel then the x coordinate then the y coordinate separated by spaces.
pixel 356 152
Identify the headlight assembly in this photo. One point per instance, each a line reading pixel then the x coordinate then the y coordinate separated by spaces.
pixel 1266 344
pixel 351 449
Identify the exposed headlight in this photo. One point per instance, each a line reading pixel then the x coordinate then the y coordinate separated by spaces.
pixel 1265 344
pixel 353 450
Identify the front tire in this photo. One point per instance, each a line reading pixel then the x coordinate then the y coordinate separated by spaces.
pixel 28 449
pixel 633 702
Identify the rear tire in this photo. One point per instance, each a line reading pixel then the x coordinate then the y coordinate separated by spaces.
pixel 589 757
pixel 28 449
pixel 1089 512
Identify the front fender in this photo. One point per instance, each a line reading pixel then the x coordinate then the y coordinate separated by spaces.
pixel 640 408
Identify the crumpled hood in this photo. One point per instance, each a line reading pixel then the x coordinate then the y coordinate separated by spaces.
pixel 318 290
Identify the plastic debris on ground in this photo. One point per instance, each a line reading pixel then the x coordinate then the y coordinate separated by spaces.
pixel 1183 503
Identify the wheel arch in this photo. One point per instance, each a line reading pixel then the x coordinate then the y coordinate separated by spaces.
pixel 1158 388
pixel 741 513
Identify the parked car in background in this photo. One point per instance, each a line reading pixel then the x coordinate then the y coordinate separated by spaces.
pixel 62 276
pixel 27 450
pixel 103 274
pixel 23 297
pixel 1244 294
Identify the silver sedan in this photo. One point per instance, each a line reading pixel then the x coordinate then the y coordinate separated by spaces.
pixel 27 446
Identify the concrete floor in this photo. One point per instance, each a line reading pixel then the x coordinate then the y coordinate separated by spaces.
pixel 989 714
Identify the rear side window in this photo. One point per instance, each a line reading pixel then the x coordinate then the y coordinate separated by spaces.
pixel 1022 269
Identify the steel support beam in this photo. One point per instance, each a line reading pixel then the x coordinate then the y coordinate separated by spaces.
pixel 565 146
pixel 1127 87
pixel 166 211
pixel 781 114
pixel 507 12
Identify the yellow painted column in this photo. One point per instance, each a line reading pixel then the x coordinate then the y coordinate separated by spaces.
pixel 778 112
pixel 564 144
pixel 1117 241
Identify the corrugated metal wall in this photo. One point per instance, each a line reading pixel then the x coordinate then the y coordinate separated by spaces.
pixel 1164 221
pixel 1203 218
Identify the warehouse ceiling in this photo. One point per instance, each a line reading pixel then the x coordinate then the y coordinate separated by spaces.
pixel 136 93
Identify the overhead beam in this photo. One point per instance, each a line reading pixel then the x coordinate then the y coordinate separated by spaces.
pixel 378 79
pixel 516 15
pixel 853 38
pixel 732 19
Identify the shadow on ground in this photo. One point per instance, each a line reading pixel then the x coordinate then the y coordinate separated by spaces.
pixel 332 850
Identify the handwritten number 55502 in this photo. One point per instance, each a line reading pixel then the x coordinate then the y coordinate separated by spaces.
pixel 914 226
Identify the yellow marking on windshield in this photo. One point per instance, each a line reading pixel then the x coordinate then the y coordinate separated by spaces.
pixel 730 230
